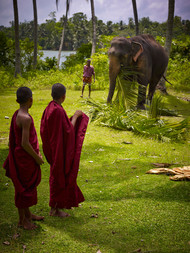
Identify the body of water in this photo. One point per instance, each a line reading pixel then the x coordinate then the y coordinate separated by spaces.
pixel 52 53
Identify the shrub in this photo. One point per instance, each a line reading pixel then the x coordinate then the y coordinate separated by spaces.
pixel 82 53
pixel 178 74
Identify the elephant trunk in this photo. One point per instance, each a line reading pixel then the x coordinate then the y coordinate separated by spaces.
pixel 111 91
pixel 114 68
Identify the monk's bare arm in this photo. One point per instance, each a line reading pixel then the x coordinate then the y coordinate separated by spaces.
pixel 77 114
pixel 25 124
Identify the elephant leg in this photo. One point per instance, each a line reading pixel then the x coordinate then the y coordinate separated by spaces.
pixel 141 97
pixel 152 88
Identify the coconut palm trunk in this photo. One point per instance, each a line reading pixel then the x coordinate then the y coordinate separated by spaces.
pixel 35 34
pixel 135 16
pixel 168 42
pixel 17 46
pixel 63 32
pixel 169 33
pixel 93 28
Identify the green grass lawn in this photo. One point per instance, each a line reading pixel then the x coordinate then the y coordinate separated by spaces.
pixel 134 211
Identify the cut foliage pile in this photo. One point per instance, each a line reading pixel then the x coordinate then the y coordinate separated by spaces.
pixel 140 123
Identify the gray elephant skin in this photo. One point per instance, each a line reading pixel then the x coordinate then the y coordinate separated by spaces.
pixel 141 55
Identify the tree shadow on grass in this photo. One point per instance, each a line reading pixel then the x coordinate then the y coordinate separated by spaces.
pixel 117 183
pixel 116 180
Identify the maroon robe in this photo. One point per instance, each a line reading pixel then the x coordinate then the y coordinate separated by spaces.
pixel 21 167
pixel 62 145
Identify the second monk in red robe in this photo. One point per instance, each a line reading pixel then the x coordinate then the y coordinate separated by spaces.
pixel 62 140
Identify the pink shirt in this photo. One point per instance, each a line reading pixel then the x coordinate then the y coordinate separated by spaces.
pixel 88 71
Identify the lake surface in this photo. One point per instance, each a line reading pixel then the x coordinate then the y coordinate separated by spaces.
pixel 52 53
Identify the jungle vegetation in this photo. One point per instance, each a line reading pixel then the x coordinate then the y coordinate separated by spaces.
pixel 125 210
pixel 79 30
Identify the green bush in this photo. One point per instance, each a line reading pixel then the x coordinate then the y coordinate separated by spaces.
pixel 49 63
pixel 178 74
pixel 180 48
pixel 82 53
pixel 101 67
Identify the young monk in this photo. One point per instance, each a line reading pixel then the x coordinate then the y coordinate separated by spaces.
pixel 62 140
pixel 24 159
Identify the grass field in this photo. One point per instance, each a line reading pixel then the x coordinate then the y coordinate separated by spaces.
pixel 134 211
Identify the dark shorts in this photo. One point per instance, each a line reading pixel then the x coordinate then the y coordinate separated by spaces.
pixel 87 80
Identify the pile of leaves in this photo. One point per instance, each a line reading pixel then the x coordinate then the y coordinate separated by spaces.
pixel 115 116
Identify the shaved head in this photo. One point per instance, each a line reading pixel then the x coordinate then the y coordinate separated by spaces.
pixel 58 90
pixel 23 94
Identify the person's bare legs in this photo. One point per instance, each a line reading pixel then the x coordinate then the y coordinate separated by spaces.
pixel 32 216
pixel 82 90
pixel 24 221
pixel 56 212
pixel 89 89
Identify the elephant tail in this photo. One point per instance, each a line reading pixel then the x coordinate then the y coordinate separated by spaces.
pixel 166 80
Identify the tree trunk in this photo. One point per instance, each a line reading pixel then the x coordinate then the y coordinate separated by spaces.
pixel 63 33
pixel 35 34
pixel 17 46
pixel 168 42
pixel 135 16
pixel 93 28
pixel 169 33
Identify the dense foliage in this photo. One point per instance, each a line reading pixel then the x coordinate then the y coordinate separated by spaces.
pixel 71 72
pixel 78 30
pixel 78 37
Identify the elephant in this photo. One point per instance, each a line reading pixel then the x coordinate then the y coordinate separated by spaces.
pixel 141 55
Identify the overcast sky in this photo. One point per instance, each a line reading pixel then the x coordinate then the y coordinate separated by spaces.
pixel 114 10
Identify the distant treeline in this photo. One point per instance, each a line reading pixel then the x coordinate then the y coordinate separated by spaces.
pixel 79 30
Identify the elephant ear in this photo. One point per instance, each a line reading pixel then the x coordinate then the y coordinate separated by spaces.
pixel 137 50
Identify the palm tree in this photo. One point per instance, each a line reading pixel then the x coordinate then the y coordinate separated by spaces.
pixel 35 33
pixel 135 16
pixel 93 28
pixel 168 42
pixel 169 32
pixel 64 27
pixel 63 31
pixel 17 46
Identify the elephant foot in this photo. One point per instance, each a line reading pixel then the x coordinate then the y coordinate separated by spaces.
pixel 162 89
pixel 141 107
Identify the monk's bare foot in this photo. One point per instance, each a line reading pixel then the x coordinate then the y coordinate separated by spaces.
pixel 58 213
pixel 26 224
pixel 36 217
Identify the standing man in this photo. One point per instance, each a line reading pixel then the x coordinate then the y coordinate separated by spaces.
pixel 87 76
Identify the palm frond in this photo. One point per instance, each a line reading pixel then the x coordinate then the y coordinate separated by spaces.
pixel 127 89
pixel 143 125
pixel 156 103
pixel 156 109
